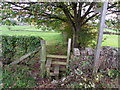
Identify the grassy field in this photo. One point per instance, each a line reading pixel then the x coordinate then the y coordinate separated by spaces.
pixel 51 37
pixel 5 27
pixel 111 40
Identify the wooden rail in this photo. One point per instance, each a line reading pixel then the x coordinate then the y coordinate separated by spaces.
pixel 57 56
pixel 59 63
pixel 24 57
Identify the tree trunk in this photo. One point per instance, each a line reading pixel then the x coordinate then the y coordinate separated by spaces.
pixel 75 43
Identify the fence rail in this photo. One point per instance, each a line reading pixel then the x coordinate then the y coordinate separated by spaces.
pixel 25 56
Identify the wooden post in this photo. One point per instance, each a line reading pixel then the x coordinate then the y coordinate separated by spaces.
pixel 68 51
pixel 42 58
pixel 101 27
pixel 48 66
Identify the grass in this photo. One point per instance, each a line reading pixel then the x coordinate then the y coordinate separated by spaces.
pixel 52 37
pixel 110 30
pixel 111 40
pixel 5 27
pixel 17 76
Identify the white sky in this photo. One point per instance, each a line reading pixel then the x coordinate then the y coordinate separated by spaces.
pixel 107 16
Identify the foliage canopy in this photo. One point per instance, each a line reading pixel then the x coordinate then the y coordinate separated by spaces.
pixel 74 15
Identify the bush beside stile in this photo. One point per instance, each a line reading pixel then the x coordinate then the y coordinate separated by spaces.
pixel 16 46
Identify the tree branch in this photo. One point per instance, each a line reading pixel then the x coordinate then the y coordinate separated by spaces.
pixel 113 5
pixel 15 4
pixel 74 7
pixel 67 13
pixel 53 16
pixel 44 14
pixel 88 10
pixel 80 8
pixel 89 18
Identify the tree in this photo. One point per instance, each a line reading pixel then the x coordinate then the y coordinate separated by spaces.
pixel 75 15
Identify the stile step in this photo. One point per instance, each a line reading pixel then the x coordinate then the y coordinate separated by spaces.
pixel 59 63
pixel 57 56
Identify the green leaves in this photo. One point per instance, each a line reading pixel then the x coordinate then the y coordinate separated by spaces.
pixel 17 76
pixel 16 46
pixel 113 73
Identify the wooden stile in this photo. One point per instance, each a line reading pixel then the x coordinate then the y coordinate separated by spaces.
pixel 48 65
pixel 57 64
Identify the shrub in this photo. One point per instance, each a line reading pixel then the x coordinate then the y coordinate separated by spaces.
pixel 87 35
pixel 16 46
pixel 17 76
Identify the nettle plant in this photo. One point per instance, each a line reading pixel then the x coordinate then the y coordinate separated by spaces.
pixel 16 46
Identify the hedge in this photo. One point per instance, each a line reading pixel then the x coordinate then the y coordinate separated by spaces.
pixel 16 46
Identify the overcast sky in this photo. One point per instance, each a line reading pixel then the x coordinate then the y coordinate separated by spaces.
pixel 107 17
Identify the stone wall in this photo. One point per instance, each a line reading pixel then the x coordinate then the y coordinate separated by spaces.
pixel 109 57
pixel 105 51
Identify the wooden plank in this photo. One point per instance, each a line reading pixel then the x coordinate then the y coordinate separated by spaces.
pixel 59 63
pixel 61 69
pixel 56 70
pixel 57 56
pixel 68 51
pixel 49 62
pixel 48 66
pixel 24 57
pixel 42 58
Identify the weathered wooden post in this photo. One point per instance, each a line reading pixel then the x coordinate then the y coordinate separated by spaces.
pixel 42 58
pixel 68 51
pixel 100 35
